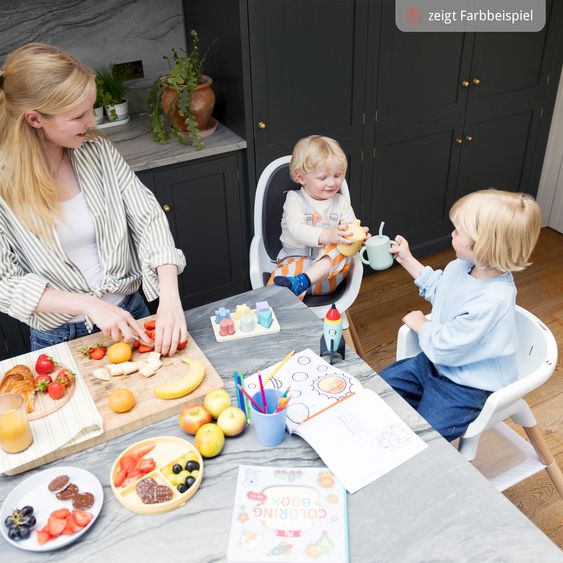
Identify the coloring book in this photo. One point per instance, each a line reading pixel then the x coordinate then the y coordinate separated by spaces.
pixel 284 514
pixel 357 435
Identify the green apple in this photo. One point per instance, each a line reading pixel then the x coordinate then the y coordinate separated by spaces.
pixel 216 401
pixel 209 440
pixel 232 421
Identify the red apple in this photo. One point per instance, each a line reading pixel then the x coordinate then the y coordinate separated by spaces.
pixel 192 417
pixel 232 421
pixel 209 440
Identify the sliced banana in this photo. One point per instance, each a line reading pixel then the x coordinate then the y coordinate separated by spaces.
pixel 102 374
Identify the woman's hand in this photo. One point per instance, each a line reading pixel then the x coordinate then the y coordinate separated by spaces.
pixel 113 321
pixel 335 235
pixel 171 328
pixel 415 320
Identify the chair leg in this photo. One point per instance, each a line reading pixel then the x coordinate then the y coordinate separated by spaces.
pixel 354 335
pixel 546 457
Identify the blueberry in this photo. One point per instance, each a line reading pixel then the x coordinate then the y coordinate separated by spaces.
pixel 24 532
pixel 31 521
pixel 189 481
pixel 14 533
pixel 176 468
pixel 27 510
pixel 9 521
pixel 182 487
pixel 192 465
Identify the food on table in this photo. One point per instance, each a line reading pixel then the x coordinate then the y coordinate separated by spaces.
pixel 119 352
pixel 134 465
pixel 182 474
pixel 63 522
pixel 65 376
pixel 185 384
pixel 143 348
pixel 44 364
pixel 150 325
pixel 68 493
pixel 56 390
pixel 193 417
pixel 153 356
pixel 232 421
pixel 20 380
pixel 154 364
pixel 96 352
pixel 129 367
pixel 216 401
pixel 59 483
pixel 115 369
pixel 150 492
pixel 102 374
pixel 121 400
pixel 147 371
pixel 20 523
pixel 209 440
pixel 83 501
pixel 41 382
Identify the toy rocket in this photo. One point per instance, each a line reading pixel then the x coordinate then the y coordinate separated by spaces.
pixel 331 341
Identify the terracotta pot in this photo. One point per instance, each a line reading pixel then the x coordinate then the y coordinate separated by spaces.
pixel 203 102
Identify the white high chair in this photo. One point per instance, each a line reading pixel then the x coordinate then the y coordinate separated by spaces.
pixel 537 358
pixel 273 185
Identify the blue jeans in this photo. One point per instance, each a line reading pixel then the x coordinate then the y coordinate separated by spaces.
pixel 447 406
pixel 133 303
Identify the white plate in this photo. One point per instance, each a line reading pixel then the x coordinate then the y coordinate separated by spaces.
pixel 34 492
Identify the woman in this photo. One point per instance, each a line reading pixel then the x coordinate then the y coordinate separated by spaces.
pixel 79 233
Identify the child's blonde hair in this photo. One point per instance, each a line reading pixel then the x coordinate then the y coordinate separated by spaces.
pixel 43 78
pixel 503 225
pixel 314 151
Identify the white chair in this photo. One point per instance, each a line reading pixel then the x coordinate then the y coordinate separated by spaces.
pixel 273 185
pixel 537 358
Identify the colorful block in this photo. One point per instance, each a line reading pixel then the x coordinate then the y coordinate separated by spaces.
pixel 222 313
pixel 265 318
pixel 262 306
pixel 241 310
pixel 227 327
pixel 247 323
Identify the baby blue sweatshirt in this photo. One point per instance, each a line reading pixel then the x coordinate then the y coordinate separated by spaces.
pixel 471 338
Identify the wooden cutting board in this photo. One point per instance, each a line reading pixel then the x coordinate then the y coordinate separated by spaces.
pixel 148 408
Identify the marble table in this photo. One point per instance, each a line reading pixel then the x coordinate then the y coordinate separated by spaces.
pixel 435 506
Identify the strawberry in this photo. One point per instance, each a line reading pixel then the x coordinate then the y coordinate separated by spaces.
pixel 71 525
pixel 98 352
pixel 55 526
pixel 61 513
pixel 82 518
pixel 44 364
pixel 182 345
pixel 43 536
pixel 56 390
pixel 136 344
pixel 146 465
pixel 41 382
pixel 65 376
pixel 150 325
pixel 120 477
pixel 144 348
pixel 150 334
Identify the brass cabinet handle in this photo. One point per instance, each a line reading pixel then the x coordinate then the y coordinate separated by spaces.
pixel 465 83
pixel 261 125
pixel 468 138
pixel 167 208
pixel 476 82
pixel 458 141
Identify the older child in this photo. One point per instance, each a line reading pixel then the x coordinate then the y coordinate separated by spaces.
pixel 315 219
pixel 469 344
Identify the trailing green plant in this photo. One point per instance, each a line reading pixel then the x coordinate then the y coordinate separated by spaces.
pixel 184 76
pixel 111 89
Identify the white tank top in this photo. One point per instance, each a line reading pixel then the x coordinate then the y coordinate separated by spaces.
pixel 77 234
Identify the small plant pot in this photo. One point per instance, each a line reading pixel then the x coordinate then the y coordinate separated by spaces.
pixel 117 112
pixel 99 114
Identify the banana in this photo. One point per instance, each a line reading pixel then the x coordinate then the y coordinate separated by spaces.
pixel 183 385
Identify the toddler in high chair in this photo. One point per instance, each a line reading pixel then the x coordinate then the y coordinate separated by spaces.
pixel 315 219
pixel 469 345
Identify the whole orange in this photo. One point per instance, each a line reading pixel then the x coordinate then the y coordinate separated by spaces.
pixel 119 352
pixel 121 400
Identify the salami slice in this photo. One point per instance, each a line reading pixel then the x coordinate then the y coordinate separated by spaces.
pixel 150 492
pixel 68 493
pixel 83 501
pixel 59 483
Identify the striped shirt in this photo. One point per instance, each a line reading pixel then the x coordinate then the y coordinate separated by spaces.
pixel 132 233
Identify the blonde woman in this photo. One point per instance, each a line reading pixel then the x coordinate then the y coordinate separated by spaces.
pixel 79 234
pixel 469 345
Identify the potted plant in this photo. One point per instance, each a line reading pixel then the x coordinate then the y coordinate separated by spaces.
pixel 99 106
pixel 110 82
pixel 182 100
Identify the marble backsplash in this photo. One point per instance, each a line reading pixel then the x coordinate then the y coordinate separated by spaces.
pixel 100 32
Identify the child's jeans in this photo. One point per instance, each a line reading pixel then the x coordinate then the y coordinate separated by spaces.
pixel 447 406
pixel 133 303
pixel 340 266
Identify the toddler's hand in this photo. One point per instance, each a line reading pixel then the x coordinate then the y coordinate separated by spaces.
pixel 415 320
pixel 401 249
pixel 335 235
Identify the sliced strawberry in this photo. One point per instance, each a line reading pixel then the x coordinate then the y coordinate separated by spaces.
pixel 143 451
pixel 136 344
pixel 71 525
pixel 120 476
pixel 82 518
pixel 144 348
pixel 151 334
pixel 61 513
pixel 182 345
pixel 150 325
pixel 98 353
pixel 146 465
pixel 55 526
pixel 43 536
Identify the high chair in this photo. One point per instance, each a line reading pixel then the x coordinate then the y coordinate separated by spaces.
pixel 537 358
pixel 273 185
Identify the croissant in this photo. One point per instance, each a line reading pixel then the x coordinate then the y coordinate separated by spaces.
pixel 20 380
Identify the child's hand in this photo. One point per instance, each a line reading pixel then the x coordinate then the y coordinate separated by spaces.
pixel 335 235
pixel 415 320
pixel 401 249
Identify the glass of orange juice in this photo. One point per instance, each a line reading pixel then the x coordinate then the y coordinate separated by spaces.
pixel 15 432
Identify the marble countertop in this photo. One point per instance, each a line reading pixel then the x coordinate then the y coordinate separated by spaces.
pixel 134 142
pixel 435 506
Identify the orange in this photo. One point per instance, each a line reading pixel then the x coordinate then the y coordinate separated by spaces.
pixel 121 400
pixel 119 352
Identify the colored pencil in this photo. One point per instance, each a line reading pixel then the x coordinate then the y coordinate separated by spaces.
pixel 326 408
pixel 262 394
pixel 246 405
pixel 282 403
pixel 256 405
pixel 239 396
pixel 278 367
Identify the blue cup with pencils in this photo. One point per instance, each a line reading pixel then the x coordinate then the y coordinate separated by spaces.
pixel 268 408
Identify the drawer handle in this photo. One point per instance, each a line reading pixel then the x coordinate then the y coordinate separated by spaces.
pixel 261 125
pixel 167 208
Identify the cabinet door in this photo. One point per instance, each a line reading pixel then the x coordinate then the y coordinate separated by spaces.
pixel 415 171
pixel 307 64
pixel 208 225
pixel 420 74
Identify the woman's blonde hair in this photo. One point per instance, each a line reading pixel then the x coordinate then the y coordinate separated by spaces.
pixel 504 227
pixel 43 78
pixel 314 151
